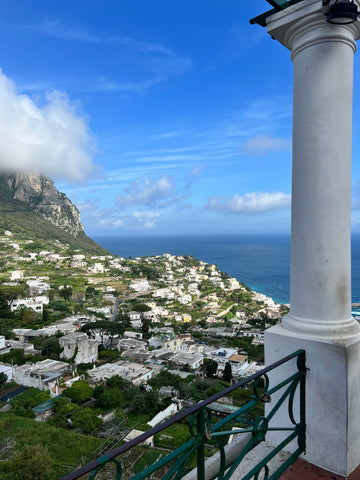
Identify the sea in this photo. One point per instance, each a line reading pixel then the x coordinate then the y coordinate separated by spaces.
pixel 262 262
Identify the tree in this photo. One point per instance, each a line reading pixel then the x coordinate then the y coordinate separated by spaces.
pixel 145 328
pixel 116 382
pixel 15 356
pixel 111 328
pixel 210 366
pixel 33 462
pixel 3 379
pixel 66 293
pixel 45 315
pixel 9 294
pixel 86 419
pixel 140 307
pixel 110 399
pixel 79 391
pixel 51 347
pixel 227 375
pixel 28 316
pixel 90 292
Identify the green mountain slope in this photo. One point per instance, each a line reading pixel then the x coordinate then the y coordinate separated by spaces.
pixel 21 218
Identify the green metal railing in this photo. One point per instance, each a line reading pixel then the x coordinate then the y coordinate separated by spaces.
pixel 205 430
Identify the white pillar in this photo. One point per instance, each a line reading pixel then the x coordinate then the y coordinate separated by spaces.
pixel 322 54
pixel 320 288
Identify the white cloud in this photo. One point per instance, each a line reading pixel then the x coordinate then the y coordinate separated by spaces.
pixel 144 64
pixel 255 202
pixel 262 144
pixel 147 193
pixel 107 85
pixel 79 33
pixel 52 138
pixel 111 222
pixel 164 136
pixel 148 219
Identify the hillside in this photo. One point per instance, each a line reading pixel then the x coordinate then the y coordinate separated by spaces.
pixel 32 208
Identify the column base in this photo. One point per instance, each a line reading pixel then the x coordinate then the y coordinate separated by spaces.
pixel 332 396
pixel 347 328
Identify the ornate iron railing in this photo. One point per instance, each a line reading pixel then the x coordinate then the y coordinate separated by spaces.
pixel 205 430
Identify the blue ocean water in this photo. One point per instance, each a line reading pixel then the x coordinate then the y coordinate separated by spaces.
pixel 260 261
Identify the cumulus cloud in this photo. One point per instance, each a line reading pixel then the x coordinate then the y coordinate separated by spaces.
pixel 250 203
pixel 262 144
pixel 147 193
pixel 52 138
pixel 111 222
pixel 148 219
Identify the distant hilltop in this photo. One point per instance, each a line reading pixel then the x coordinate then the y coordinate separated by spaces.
pixel 31 206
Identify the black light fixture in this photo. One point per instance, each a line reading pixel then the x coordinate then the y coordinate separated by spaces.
pixel 341 12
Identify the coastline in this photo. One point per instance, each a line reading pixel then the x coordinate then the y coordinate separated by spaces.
pixel 260 261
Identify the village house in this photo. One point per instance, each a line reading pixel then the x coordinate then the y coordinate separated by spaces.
pixel 140 285
pixel 164 293
pixel 16 275
pixel 35 304
pixel 192 360
pixel 184 299
pixel 233 284
pixel 150 315
pixel 135 373
pixel 109 297
pixel 80 347
pixel 192 347
pixel 130 343
pixel 96 268
pixel 131 334
pixel 28 348
pixel 44 410
pixel 175 343
pixel 140 355
pixel 168 391
pixel 45 375
pixel 136 323
pixel 38 286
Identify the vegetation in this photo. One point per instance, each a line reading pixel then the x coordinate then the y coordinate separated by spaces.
pixel 227 374
pixel 79 391
pixel 28 224
pixel 58 448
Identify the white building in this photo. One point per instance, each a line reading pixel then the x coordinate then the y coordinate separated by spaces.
pixel 16 275
pixel 45 375
pixel 36 303
pixel 140 285
pixel 79 346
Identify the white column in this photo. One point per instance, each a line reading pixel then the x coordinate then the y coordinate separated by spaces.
pixel 320 299
pixel 322 54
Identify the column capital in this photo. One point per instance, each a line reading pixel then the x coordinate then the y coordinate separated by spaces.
pixel 304 24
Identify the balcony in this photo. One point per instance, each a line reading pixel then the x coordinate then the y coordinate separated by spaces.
pixel 209 454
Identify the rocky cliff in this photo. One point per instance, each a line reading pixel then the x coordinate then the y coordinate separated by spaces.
pixel 33 209
pixel 40 193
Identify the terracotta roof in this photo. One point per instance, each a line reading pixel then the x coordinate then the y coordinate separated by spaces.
pixel 302 470
pixel 237 358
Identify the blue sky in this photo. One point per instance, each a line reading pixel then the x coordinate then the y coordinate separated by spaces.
pixel 153 116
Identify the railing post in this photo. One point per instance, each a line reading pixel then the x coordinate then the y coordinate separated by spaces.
pixel 201 431
pixel 301 363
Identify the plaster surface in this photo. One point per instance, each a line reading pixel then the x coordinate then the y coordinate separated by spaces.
pixel 332 396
